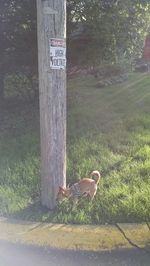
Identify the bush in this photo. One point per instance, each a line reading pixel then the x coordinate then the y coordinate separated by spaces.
pixel 20 85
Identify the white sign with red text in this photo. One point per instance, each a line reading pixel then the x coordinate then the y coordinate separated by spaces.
pixel 57 53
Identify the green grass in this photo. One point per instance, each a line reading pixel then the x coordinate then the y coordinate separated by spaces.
pixel 108 130
pixel 19 159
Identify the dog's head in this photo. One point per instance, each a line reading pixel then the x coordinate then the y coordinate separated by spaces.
pixel 63 193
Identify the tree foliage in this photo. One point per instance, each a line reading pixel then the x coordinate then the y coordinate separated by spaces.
pixel 116 30
pixel 118 27
pixel 18 45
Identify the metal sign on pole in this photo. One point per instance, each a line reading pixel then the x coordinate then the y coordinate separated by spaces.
pixel 51 25
pixel 57 53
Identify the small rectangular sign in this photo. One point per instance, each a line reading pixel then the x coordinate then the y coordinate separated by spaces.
pixel 57 53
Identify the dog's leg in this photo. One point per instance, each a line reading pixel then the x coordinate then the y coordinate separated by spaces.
pixel 92 194
pixel 85 194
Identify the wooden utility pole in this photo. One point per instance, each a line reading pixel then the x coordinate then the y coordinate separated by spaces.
pixel 51 27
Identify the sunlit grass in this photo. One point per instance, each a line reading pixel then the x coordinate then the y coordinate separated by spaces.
pixel 108 130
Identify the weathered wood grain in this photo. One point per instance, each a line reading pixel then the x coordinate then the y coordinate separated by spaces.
pixel 52 94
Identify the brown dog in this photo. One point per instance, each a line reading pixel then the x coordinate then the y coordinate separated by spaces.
pixel 85 187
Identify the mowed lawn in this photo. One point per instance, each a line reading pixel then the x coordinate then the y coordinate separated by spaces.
pixel 108 129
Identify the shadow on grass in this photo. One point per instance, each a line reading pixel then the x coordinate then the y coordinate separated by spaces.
pixel 34 212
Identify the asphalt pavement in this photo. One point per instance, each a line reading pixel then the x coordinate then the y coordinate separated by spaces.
pixel 28 255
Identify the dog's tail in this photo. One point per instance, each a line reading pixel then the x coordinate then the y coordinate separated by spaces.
pixel 96 175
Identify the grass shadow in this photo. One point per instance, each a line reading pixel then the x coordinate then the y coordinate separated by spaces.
pixel 34 212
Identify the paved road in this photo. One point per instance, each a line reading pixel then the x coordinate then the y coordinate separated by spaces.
pixel 21 255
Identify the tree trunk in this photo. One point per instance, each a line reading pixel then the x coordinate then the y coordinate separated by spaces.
pixel 52 91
